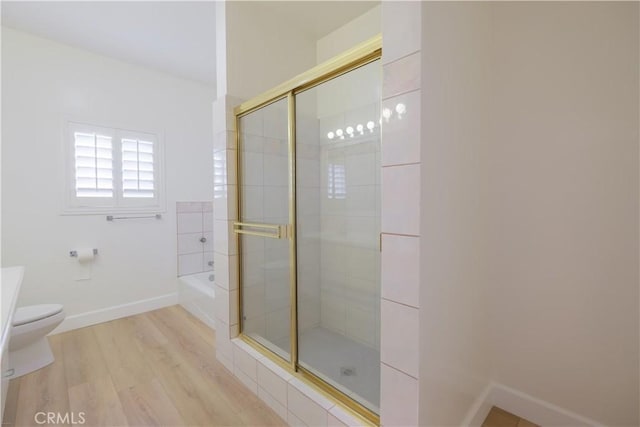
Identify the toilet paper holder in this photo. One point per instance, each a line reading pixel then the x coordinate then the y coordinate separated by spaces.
pixel 75 253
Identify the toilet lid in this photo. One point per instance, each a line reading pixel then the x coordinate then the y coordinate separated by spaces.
pixel 32 313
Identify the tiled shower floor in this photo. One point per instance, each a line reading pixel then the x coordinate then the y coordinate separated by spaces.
pixel 329 354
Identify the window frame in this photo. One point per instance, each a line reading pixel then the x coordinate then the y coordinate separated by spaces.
pixel 74 205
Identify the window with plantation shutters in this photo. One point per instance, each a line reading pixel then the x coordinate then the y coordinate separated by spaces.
pixel 137 168
pixel 112 170
pixel 93 154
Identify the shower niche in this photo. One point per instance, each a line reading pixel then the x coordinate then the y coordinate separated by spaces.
pixel 309 225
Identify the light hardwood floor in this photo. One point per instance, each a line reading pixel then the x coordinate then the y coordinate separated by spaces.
pixel 156 368
pixel 500 418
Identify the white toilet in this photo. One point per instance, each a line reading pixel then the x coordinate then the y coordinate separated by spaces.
pixel 29 349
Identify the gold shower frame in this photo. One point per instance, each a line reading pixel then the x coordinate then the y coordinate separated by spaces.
pixel 361 55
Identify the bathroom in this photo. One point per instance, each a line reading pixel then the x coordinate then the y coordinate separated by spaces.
pixel 435 236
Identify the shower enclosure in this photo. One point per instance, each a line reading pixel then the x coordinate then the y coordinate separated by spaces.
pixel 309 225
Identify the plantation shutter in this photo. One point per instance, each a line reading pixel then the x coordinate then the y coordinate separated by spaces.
pixel 93 153
pixel 138 179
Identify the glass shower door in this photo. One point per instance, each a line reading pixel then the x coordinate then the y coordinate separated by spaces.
pixel 264 182
pixel 338 229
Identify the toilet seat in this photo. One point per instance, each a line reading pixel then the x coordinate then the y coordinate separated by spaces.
pixel 33 313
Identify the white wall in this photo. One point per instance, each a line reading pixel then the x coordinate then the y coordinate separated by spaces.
pixel 360 29
pixel 564 179
pixel 42 83
pixel 262 50
pixel 530 207
pixel 455 351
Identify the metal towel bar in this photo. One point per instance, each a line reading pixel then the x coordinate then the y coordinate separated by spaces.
pixel 113 218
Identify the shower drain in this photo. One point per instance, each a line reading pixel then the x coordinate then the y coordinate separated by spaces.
pixel 347 371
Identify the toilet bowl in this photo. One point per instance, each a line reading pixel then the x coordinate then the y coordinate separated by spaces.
pixel 29 349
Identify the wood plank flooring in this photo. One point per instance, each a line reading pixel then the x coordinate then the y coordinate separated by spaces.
pixel 500 418
pixel 154 369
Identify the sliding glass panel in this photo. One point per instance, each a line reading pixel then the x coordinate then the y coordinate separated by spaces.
pixel 338 224
pixel 263 177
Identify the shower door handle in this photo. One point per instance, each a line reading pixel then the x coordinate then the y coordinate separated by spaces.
pixel 273 231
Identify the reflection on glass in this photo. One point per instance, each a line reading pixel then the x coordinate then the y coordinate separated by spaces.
pixel 264 192
pixel 338 259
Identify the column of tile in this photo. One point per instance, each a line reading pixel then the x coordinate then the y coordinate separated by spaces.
pixel 401 125
pixel 224 241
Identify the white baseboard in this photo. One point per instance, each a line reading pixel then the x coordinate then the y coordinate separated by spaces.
pixel 89 318
pixel 480 409
pixel 530 408
pixel 536 410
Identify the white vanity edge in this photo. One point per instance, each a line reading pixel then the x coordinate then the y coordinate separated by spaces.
pixel 11 282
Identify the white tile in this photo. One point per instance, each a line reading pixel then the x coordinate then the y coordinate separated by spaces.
pixel 207 221
pixel 361 200
pixel 247 349
pixel 272 403
pixel 188 207
pixel 252 168
pixel 333 312
pixel 272 382
pixel 189 243
pixel 308 173
pixel 190 222
pixel 398 337
pixel 245 379
pixel 401 133
pixel 360 169
pixel 401 24
pixel 401 76
pixel 294 421
pixel 344 418
pixel 226 270
pixel 361 263
pixel 226 305
pixel 224 344
pixel 278 325
pixel 207 246
pixel 224 140
pixel 401 269
pixel 231 167
pixel 276 120
pixel 245 361
pixel 233 307
pixel 252 203
pixel 312 393
pixel 276 204
pixel 306 409
pixel 224 239
pixel 360 324
pixel 333 421
pixel 401 199
pixel 276 170
pixel 208 261
pixel 190 264
pixel 252 143
pixel 225 201
pixel 252 123
pixel 398 398
pixel 221 302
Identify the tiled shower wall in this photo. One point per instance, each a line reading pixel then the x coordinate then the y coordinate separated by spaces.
pixel 195 222
pixel 350 226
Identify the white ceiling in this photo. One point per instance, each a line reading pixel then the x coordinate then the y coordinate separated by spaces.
pixel 177 37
